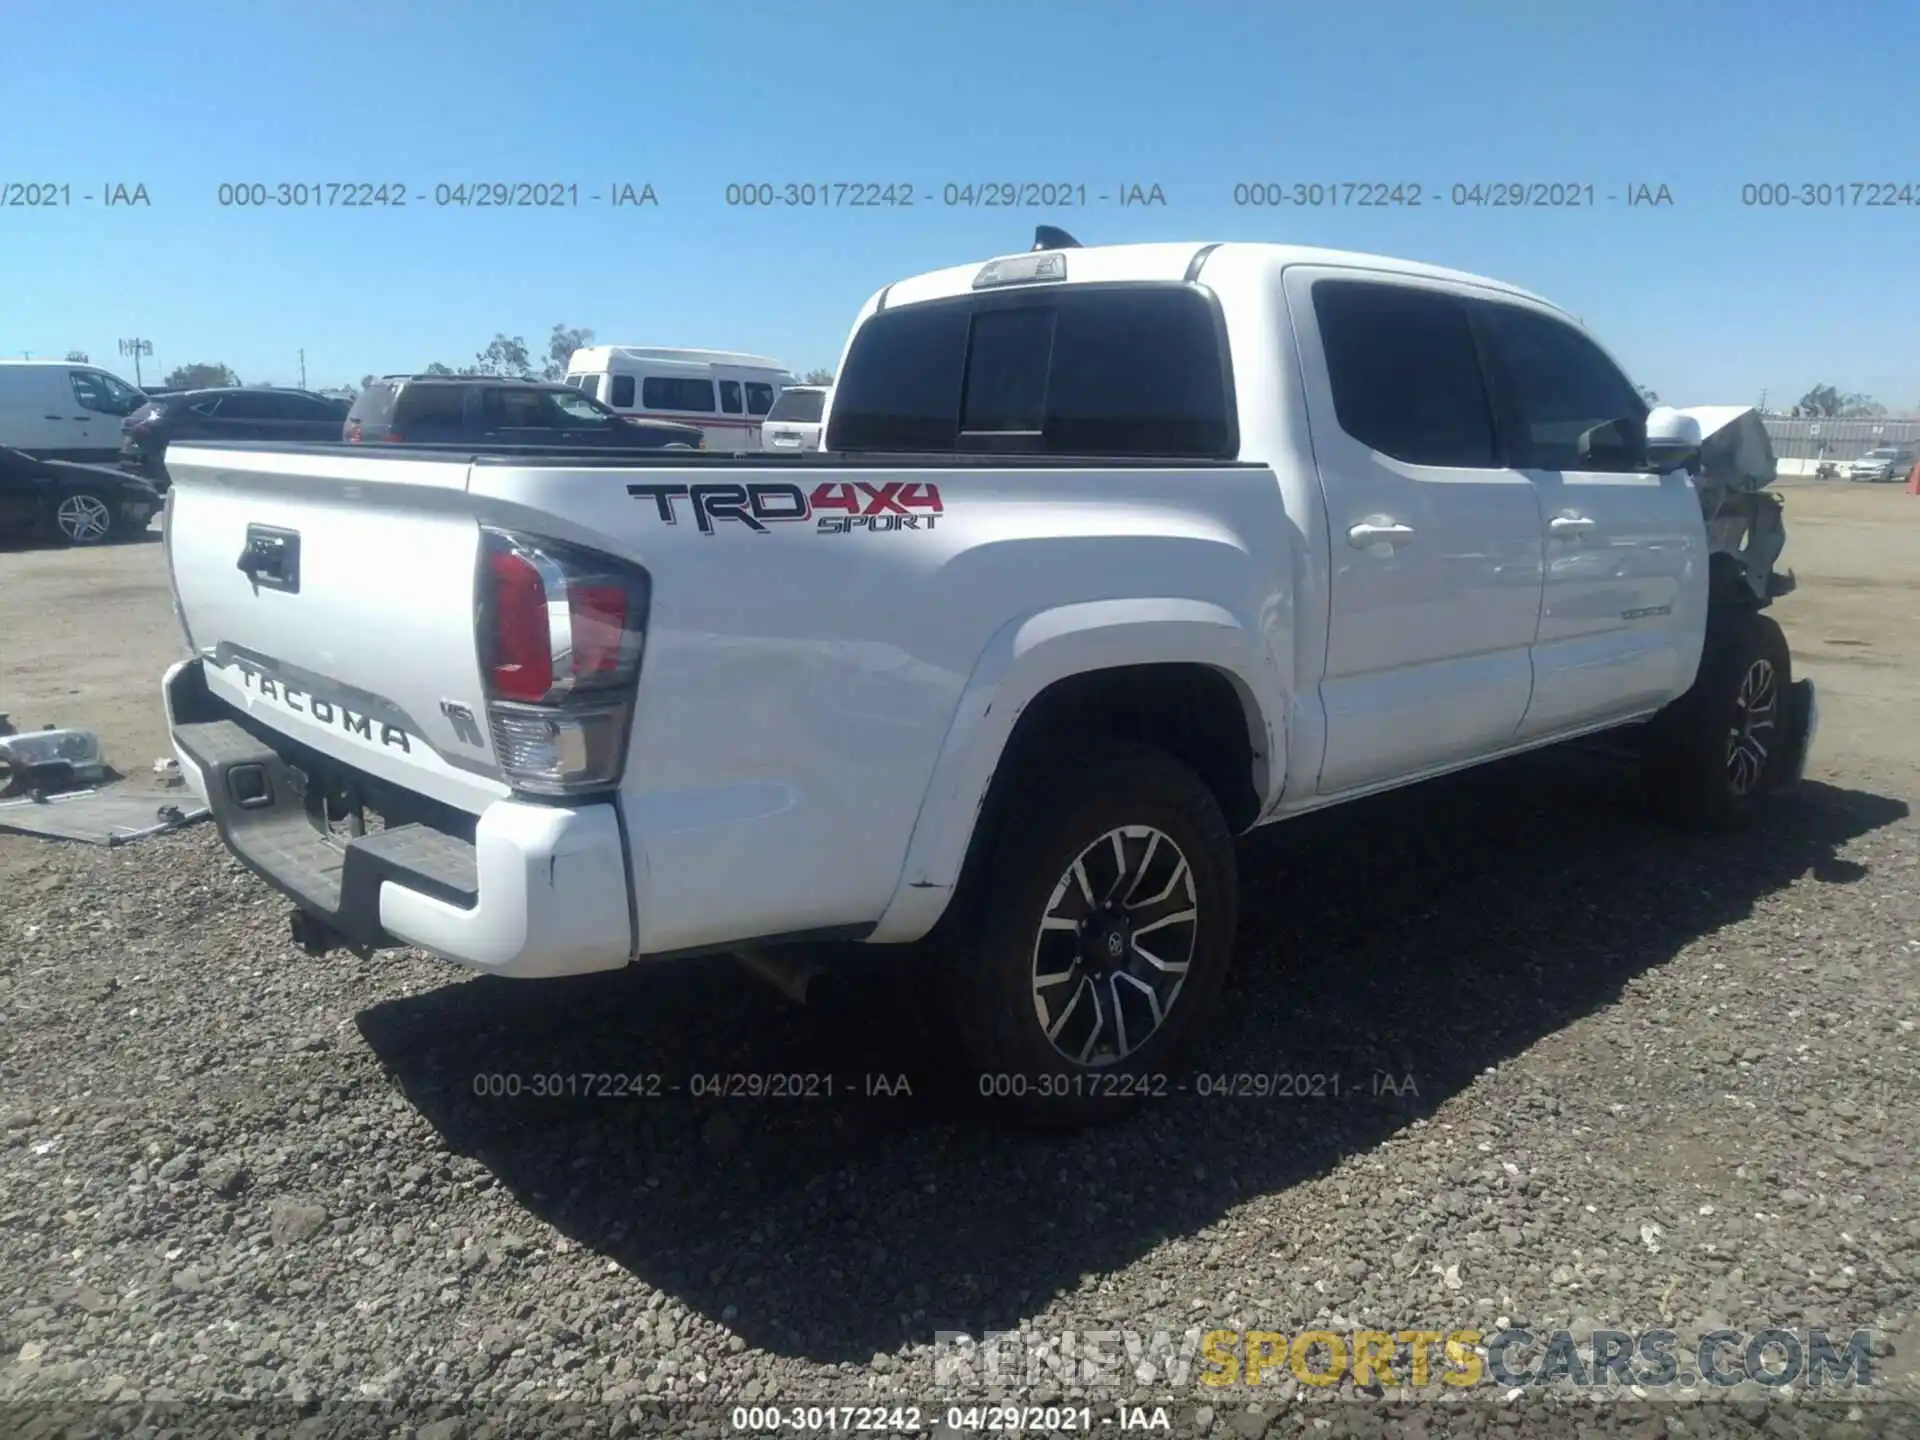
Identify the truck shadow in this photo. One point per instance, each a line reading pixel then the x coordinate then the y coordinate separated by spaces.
pixel 1423 936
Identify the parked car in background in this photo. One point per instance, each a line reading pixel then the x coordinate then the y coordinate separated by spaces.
pixel 79 504
pixel 225 414
pixel 725 392
pixel 1887 462
pixel 62 411
pixel 794 422
pixel 496 410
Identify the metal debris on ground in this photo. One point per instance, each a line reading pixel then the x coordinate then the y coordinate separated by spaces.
pixel 110 816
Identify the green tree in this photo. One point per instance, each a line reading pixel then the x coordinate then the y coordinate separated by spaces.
pixel 78 357
pixel 504 355
pixel 436 368
pixel 1819 402
pixel 817 377
pixel 202 376
pixel 560 347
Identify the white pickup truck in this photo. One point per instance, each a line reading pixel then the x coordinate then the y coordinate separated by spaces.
pixel 1113 553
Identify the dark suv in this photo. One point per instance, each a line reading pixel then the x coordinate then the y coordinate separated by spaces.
pixel 258 413
pixel 491 410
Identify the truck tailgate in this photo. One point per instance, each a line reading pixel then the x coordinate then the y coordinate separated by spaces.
pixel 331 598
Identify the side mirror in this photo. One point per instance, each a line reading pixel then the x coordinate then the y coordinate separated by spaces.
pixel 1615 445
pixel 1673 440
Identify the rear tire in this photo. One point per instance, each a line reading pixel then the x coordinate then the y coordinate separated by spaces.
pixel 1714 755
pixel 1094 936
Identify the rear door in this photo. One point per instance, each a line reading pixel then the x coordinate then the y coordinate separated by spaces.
pixel 426 412
pixel 246 416
pixel 516 415
pixel 1436 542
pixel 305 417
pixel 1624 609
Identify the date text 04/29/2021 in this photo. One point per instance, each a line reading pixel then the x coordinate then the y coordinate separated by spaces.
pixel 1459 195
pixel 458 194
pixel 967 195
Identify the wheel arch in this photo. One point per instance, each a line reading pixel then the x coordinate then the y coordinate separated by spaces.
pixel 1186 676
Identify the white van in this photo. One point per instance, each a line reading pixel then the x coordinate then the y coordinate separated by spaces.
pixel 58 410
pixel 724 392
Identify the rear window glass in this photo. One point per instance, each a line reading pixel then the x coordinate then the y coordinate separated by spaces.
pixel 660 392
pixel 371 405
pixel 1091 370
pixel 803 407
pixel 431 405
pixel 1405 372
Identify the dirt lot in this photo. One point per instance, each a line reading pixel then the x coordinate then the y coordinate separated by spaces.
pixel 1658 1080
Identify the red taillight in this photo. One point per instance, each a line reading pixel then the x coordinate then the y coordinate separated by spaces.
pixel 393 437
pixel 598 614
pixel 520 663
pixel 560 638
pixel 353 432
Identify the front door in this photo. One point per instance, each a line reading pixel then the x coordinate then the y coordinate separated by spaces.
pixel 1626 559
pixel 1436 545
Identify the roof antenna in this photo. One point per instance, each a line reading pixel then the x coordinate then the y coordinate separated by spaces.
pixel 1052 237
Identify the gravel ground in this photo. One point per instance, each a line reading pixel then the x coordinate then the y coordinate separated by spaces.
pixel 1657 1080
pixel 232 1169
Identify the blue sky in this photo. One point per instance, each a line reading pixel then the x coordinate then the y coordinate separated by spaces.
pixel 1707 300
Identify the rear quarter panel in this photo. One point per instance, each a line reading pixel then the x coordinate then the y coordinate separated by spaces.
pixel 801 750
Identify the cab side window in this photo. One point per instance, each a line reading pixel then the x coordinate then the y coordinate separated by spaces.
pixel 90 393
pixel 1561 386
pixel 1405 372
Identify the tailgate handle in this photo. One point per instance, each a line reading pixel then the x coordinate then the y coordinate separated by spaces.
pixel 271 559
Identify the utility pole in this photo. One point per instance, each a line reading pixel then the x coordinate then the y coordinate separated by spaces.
pixel 303 369
pixel 136 348
pixel 1763 400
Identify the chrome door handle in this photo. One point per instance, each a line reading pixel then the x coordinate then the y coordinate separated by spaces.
pixel 1568 527
pixel 1369 533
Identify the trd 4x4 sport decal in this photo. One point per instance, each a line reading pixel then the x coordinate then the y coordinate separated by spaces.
pixel 836 507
